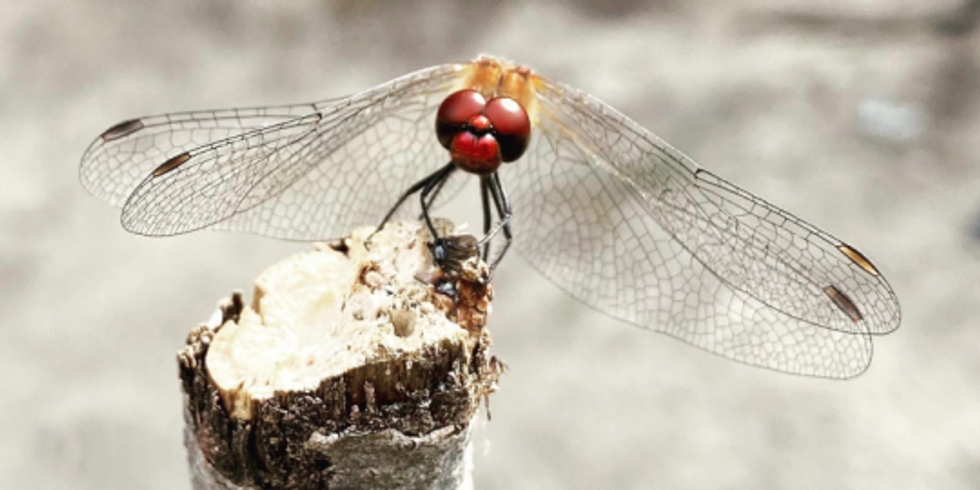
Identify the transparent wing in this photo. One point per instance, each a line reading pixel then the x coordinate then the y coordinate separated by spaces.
pixel 633 228
pixel 125 154
pixel 303 172
pixel 357 182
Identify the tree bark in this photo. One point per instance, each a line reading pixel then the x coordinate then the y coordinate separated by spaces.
pixel 355 367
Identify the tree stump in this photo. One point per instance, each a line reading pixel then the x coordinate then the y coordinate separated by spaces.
pixel 355 367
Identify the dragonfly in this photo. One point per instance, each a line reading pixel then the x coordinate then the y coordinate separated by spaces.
pixel 606 210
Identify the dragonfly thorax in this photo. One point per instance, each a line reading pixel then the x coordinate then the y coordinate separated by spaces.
pixel 481 134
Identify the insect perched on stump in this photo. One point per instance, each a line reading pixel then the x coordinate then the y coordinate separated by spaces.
pixel 606 210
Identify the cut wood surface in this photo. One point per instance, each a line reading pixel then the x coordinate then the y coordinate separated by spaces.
pixel 351 368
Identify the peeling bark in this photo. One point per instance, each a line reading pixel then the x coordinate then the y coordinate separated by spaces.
pixel 349 370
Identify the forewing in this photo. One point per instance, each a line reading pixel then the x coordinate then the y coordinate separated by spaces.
pixel 645 236
pixel 276 169
pixel 752 245
pixel 125 154
pixel 357 182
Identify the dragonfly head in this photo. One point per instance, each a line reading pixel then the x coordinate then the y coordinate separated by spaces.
pixel 481 134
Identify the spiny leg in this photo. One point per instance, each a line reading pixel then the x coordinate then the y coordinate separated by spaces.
pixel 416 187
pixel 499 199
pixel 437 190
pixel 502 203
pixel 487 217
pixel 433 185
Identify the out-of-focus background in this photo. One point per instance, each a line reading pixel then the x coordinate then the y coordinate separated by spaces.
pixel 861 116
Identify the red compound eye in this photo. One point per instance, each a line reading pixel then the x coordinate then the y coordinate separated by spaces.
pixel 455 112
pixel 511 126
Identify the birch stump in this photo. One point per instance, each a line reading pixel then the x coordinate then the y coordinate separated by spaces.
pixel 354 367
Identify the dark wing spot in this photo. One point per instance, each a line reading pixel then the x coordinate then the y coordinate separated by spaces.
pixel 858 258
pixel 124 128
pixel 843 302
pixel 171 164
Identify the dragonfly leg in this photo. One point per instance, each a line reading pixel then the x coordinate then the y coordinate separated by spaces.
pixel 437 190
pixel 434 182
pixel 487 217
pixel 502 202
pixel 416 187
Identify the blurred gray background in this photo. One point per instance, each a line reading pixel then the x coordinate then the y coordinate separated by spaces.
pixel 863 117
